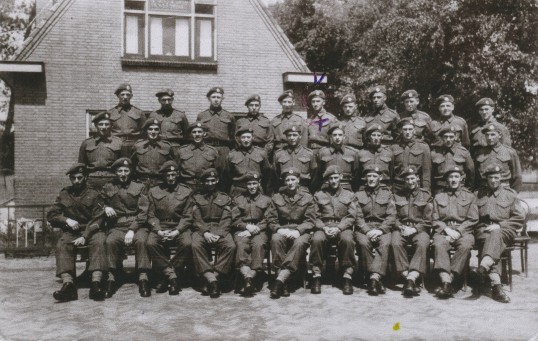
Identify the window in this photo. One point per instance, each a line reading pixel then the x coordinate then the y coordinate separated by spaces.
pixel 170 30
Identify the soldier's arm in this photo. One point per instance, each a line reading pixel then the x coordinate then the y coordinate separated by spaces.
pixel 304 135
pixel 266 174
pixel 427 169
pixel 309 218
pixel 153 220
pixel 388 224
pixel 142 216
pixel 515 169
pixel 98 219
pixel 506 138
pixel 225 220
pixel 516 219
pixel 186 220
pixel 55 214
pixel 231 130
pixel 465 141
pixel 82 154
pixel 471 218
pixel 349 219
pixel 425 222
pixel 318 223
pixel 184 125
pixel 438 225
pixel 269 145
pixel 237 219
pixel 198 222
pixel 470 172
pixel 268 216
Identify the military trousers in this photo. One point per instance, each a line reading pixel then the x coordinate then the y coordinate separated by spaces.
pixel 462 250
pixel 420 242
pixel 157 249
pixel 225 252
pixel 115 248
pixel 374 262
pixel 251 250
pixel 288 252
pixel 345 248
pixel 493 244
pixel 66 253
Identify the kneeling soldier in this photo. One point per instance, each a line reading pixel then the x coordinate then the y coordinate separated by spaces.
pixel 73 210
pixel 338 209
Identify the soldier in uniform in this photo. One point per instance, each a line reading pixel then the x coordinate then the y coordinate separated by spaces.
pixel 382 114
pixel 262 130
pixel 127 120
pixel 296 215
pixel 251 213
pixel 247 158
pixel 194 158
pixel 319 121
pixel 174 123
pixel 220 124
pixel 125 215
pixel 374 153
pixel 339 155
pixel 354 125
pixel 448 155
pixel 486 107
pixel 374 232
pixel 73 211
pixel 212 222
pixel 287 118
pixel 99 153
pixel 500 216
pixel 455 215
pixel 497 153
pixel 409 151
pixel 170 226
pixel 446 118
pixel 337 211
pixel 413 223
pixel 421 120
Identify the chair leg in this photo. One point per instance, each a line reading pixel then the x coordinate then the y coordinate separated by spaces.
pixel 526 248
pixel 510 270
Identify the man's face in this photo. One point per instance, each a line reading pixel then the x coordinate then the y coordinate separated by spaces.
pixel 492 138
pixel 411 104
pixel 408 132
pixel 153 132
pixel 287 104
pixel 123 173
pixel 198 135
pixel 337 137
pixel 317 103
pixel 246 140
pixel 334 180
pixel 446 108
pixel 77 180
pixel 349 108
pixel 125 97
pixel 103 128
pixel 411 181
pixel 486 112
pixel 449 139
pixel 375 138
pixel 292 182
pixel 494 180
pixel 293 138
pixel 210 184
pixel 166 102
pixel 253 187
pixel 171 178
pixel 454 180
pixel 378 99
pixel 254 108
pixel 372 179
pixel 215 99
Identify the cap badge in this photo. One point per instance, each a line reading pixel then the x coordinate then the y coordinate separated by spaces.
pixel 172 168
pixel 212 174
pixel 125 162
pixel 255 176
pixel 456 168
pixel 291 171
pixel 497 169
pixel 107 116
pixel 410 95
pixel 81 170
pixel 445 99
pixel 198 124
pixel 128 87
pixel 377 90
pixel 376 169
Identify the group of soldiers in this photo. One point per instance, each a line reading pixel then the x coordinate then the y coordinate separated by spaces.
pixel 242 186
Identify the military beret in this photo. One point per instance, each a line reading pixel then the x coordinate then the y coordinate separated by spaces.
pixel 253 98
pixel 376 89
pixel 334 126
pixel 123 87
pixel 242 130
pixel 287 93
pixel 408 171
pixel 165 92
pixel 491 127
pixel 485 101
pixel 409 94
pixel 252 176
pixel 77 168
pixel 168 166
pixel 333 169
pixel 349 98
pixel 444 98
pixel 290 171
pixel 122 162
pixel 372 168
pixel 316 93
pixel 406 121
pixel 453 169
pixel 103 115
pixel 449 129
pixel 292 128
pixel 151 122
pixel 493 169
pixel 209 173
pixel 215 90
pixel 196 125
pixel 373 127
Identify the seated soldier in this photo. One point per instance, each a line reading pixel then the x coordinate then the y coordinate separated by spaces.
pixel 413 223
pixel 251 213
pixel 170 226
pixel 455 215
pixel 500 216
pixel 337 212
pixel 296 215
pixel 73 211
pixel 126 212
pixel 374 232
pixel 212 221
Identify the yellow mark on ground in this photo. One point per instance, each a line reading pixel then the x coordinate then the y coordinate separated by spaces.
pixel 396 326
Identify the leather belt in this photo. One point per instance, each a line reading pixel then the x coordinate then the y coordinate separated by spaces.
pixel 126 219
pixel 289 222
pixel 330 220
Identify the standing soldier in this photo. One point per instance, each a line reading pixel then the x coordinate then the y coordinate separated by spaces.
pixel 413 223
pixel 486 107
pixel 377 204
pixel 497 153
pixel 354 125
pixel 337 211
pixel 174 123
pixel 127 120
pixel 73 211
pixel 251 213
pixel 170 225
pixel 262 130
pixel 319 121
pixel 374 153
pixel 446 118
pixel 287 118
pixel 382 114
pixel 125 213
pixel 448 155
pixel 421 120
pixel 99 153
pixel 455 215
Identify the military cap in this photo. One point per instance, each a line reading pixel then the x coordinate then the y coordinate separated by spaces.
pixel 165 92
pixel 209 173
pixel 316 93
pixel 253 98
pixel 293 128
pixel 408 171
pixel 168 166
pixel 449 129
pixel 252 176
pixel 287 93
pixel 491 127
pixel 149 123
pixel 77 168
pixel 349 98
pixel 373 127
pixel 372 168
pixel 290 171
pixel 485 101
pixel 444 98
pixel 103 115
pixel 215 89
pixel 376 89
pixel 493 169
pixel 123 87
pixel 333 169
pixel 242 130
pixel 453 169
pixel 409 94
pixel 196 125
pixel 406 121
pixel 334 126
pixel 122 162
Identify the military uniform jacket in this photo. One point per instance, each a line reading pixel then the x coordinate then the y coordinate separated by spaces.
pixel 241 162
pixel 381 156
pixel 378 209
pixel 455 209
pixel 444 158
pixel 478 139
pixel 263 135
pixel 297 212
pixel 220 124
pixel 193 160
pixel 127 122
pixel 258 210
pixel 338 209
pixel 504 156
pixel 284 120
pixel 414 153
pixel 345 157
pixel 318 125
pixel 148 157
pixel 414 209
pixel 422 122
pixel 81 206
pixel 168 207
pixel 212 212
pixel 174 125
pixel 500 207
pixel 301 158
pixel 456 121
pixel 353 128
pixel 129 202
pixel 98 154
pixel 386 118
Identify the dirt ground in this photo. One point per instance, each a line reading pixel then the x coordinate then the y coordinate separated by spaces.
pixel 28 312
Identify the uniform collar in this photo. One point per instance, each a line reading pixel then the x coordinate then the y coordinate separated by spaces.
pixel 215 111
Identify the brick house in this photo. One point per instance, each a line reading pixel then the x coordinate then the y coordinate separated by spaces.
pixel 80 50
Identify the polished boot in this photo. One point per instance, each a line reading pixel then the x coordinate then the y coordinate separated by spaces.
pixel 481 274
pixel 248 287
pixel 373 286
pixel 316 286
pixel 143 288
pixel 278 286
pixel 445 291
pixel 213 289
pixel 110 289
pixel 173 287
pixel 498 294
pixel 68 292
pixel 96 292
pixel 162 286
pixel 347 288
pixel 409 289
pixel 285 290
